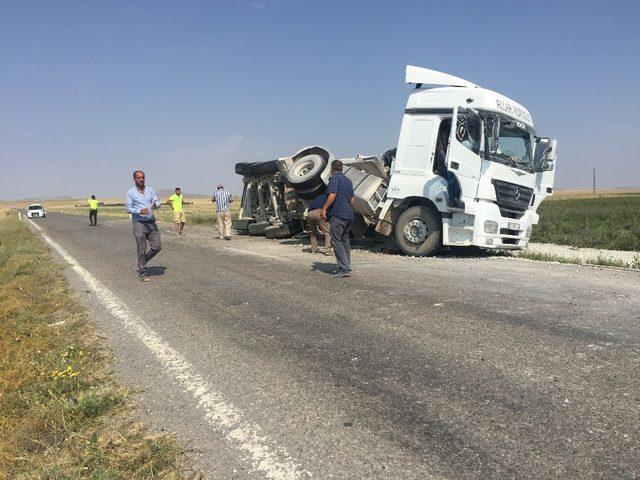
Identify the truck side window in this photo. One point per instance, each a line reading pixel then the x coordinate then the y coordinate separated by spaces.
pixel 442 144
pixel 468 130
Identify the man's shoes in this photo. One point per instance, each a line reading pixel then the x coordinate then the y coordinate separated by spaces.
pixel 341 274
pixel 227 238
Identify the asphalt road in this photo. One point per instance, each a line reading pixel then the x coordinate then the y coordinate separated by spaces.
pixel 414 368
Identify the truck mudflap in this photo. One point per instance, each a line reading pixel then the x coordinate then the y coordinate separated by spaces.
pixel 385 218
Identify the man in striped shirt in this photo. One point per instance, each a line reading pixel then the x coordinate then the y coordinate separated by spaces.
pixel 222 198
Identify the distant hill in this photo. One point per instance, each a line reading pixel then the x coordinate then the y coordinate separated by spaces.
pixel 40 199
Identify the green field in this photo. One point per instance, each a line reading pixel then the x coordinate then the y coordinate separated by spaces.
pixel 611 222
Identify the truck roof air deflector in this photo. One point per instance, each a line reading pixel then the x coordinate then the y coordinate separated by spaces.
pixel 419 75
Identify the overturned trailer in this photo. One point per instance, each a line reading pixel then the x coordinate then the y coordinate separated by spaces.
pixel 276 193
pixel 469 170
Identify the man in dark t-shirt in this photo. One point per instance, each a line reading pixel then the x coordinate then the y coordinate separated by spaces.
pixel 339 209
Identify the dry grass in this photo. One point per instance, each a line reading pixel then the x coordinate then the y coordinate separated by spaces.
pixel 576 193
pixel 62 416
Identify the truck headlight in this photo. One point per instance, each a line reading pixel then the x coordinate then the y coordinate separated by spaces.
pixel 490 226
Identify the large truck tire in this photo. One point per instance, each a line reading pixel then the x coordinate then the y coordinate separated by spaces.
pixel 257 229
pixel 305 173
pixel 243 168
pixel 242 224
pixel 264 168
pixel 312 193
pixel 418 231
pixel 286 230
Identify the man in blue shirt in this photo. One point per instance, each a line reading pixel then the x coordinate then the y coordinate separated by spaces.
pixel 141 201
pixel 339 209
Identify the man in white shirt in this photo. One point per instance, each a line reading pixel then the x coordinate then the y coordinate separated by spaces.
pixel 222 198
pixel 141 201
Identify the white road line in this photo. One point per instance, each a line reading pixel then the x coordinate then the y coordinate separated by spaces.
pixel 249 252
pixel 266 456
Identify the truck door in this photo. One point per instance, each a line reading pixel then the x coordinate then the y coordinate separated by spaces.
pixel 463 154
pixel 545 165
pixel 415 145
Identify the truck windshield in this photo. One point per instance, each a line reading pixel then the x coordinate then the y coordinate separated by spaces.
pixel 509 143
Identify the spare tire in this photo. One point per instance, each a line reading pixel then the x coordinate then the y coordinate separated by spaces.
pixel 243 168
pixel 312 193
pixel 305 173
pixel 264 168
pixel 258 228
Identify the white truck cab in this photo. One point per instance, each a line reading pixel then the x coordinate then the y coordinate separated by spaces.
pixel 469 168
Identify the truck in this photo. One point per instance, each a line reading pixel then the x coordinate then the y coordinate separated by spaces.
pixel 469 170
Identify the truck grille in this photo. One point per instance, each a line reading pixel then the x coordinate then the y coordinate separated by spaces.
pixel 513 200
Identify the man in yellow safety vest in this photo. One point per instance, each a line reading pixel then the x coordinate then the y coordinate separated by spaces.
pixel 93 210
pixel 175 201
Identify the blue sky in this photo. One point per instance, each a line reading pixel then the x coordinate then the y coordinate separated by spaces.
pixel 90 91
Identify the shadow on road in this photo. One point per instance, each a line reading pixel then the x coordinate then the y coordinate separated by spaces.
pixel 387 245
pixel 155 271
pixel 323 267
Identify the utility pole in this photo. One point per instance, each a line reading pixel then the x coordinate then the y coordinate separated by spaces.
pixel 594 181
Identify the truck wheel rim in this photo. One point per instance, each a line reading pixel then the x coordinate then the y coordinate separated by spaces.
pixel 416 231
pixel 305 167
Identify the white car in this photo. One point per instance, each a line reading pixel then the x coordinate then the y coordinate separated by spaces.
pixel 35 210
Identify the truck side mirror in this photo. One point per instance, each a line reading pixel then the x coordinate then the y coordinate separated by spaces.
pixel 545 154
pixel 550 151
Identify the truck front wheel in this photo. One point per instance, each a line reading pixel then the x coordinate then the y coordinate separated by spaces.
pixel 419 231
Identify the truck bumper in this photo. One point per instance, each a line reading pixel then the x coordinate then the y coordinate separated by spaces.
pixel 488 228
